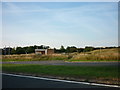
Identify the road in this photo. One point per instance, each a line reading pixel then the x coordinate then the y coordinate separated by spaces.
pixel 20 81
pixel 60 62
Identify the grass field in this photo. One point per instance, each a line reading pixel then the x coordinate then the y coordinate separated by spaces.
pixel 105 73
pixel 33 57
pixel 96 55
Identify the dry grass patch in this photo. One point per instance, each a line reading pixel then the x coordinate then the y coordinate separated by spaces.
pixel 96 55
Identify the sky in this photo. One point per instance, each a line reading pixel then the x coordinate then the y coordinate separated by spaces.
pixel 54 24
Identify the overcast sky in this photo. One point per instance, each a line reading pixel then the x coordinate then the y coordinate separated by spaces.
pixel 70 24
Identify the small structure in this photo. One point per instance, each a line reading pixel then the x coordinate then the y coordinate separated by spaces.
pixel 44 51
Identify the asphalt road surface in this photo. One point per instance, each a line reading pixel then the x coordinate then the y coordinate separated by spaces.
pixel 60 62
pixel 13 81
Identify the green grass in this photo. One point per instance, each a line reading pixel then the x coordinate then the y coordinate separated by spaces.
pixel 107 72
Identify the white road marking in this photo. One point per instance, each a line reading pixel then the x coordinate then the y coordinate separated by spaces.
pixel 62 80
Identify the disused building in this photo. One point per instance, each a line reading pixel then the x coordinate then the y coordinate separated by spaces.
pixel 44 51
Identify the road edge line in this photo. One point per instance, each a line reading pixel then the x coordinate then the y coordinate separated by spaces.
pixel 62 80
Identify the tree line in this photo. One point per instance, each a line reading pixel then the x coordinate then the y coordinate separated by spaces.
pixel 22 50
pixel 62 49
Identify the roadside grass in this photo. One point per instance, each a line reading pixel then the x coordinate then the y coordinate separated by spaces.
pixel 33 57
pixel 92 60
pixel 106 72
pixel 96 55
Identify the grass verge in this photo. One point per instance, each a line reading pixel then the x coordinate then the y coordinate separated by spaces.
pixel 100 74
pixel 96 55
pixel 92 60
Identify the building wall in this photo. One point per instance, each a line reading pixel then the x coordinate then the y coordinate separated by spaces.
pixel 40 52
pixel 50 51
pixel 45 51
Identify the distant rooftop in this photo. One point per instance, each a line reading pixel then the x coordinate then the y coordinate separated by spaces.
pixel 40 49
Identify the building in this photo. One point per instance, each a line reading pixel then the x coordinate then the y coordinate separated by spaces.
pixel 44 51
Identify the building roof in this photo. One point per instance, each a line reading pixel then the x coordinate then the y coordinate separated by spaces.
pixel 40 49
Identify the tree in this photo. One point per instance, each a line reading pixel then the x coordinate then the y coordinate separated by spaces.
pixel 46 47
pixel 7 50
pixel 71 49
pixel 30 49
pixel 68 49
pixel 79 50
pixel 87 49
pixel 35 46
pixel 62 49
pixel 40 47
pixel 20 50
pixel 13 51
pixel 25 50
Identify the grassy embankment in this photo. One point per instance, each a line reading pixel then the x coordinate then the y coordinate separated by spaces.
pixel 96 55
pixel 99 74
